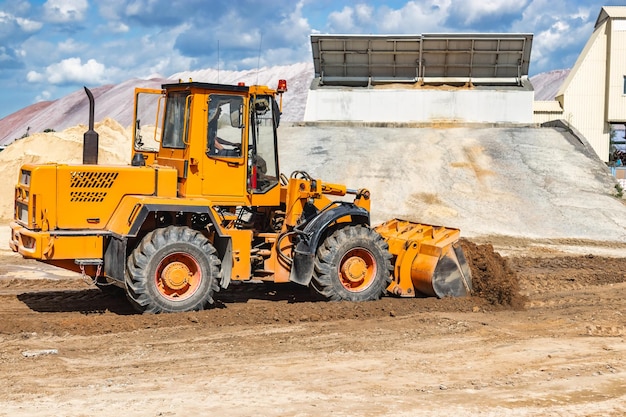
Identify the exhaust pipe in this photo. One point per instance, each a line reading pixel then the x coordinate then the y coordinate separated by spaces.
pixel 90 138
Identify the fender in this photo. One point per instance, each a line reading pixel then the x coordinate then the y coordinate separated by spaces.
pixel 129 217
pixel 304 257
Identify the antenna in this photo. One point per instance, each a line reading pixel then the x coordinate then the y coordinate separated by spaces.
pixel 258 62
pixel 218 61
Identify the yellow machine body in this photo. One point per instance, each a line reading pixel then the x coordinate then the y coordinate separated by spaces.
pixel 203 199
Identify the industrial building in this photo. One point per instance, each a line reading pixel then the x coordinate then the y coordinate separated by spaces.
pixel 428 78
pixel 592 99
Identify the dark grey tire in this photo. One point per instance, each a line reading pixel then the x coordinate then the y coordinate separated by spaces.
pixel 352 264
pixel 173 269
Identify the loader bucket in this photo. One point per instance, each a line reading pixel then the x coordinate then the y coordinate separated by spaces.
pixel 427 259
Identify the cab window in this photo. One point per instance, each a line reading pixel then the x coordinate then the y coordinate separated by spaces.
pixel 176 126
pixel 264 116
pixel 225 126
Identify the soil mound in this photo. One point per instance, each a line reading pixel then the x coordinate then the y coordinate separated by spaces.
pixel 492 277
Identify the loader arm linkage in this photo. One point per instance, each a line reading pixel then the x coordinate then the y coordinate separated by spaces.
pixel 426 259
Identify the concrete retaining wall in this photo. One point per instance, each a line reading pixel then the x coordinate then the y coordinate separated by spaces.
pixel 413 105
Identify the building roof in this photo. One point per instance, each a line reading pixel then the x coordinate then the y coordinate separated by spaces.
pixel 614 12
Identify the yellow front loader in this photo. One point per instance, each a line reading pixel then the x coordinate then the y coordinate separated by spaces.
pixel 204 203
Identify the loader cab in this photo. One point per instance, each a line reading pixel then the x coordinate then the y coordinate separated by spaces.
pixel 221 139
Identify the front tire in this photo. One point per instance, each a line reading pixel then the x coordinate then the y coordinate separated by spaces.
pixel 352 264
pixel 173 269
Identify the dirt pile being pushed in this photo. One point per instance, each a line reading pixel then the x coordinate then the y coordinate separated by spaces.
pixel 64 147
pixel 492 277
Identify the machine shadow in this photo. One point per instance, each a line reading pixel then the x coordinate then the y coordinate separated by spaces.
pixel 95 301
pixel 91 301
pixel 242 292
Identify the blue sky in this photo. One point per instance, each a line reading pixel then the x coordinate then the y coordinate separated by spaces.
pixel 51 48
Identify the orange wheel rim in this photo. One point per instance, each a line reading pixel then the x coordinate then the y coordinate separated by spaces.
pixel 178 276
pixel 357 269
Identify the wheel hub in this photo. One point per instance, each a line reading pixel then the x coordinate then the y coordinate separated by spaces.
pixel 176 275
pixel 354 269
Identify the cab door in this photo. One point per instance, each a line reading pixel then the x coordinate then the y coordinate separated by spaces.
pixel 175 140
pixel 147 122
pixel 225 167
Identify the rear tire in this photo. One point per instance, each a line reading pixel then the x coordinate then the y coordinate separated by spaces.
pixel 173 269
pixel 352 264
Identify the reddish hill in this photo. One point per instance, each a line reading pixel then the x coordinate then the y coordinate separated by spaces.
pixel 116 101
pixel 547 84
pixel 21 117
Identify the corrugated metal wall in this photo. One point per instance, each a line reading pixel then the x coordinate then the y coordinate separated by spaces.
pixel 584 98
pixel 617 71
pixel 593 96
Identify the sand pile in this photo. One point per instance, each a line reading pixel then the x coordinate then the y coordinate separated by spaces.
pixel 535 183
pixel 64 147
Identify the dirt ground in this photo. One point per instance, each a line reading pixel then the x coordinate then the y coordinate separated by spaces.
pixel 545 334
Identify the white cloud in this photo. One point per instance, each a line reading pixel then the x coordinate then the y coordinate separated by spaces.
pixel 351 19
pixel 71 70
pixel 414 17
pixel 63 11
pixel 136 7
pixel 3 54
pixel 10 23
pixel 559 35
pixel 364 13
pixel 117 27
pixel 5 17
pixel 294 29
pixel 342 21
pixel 474 10
pixel 34 77
pixel 28 25
pixel 150 54
pixel 44 96
pixel 70 46
pixel 162 67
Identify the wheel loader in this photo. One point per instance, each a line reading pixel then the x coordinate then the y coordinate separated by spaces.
pixel 203 203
